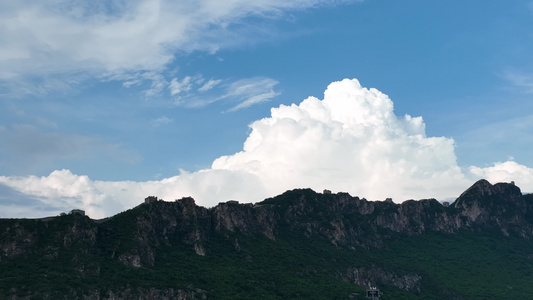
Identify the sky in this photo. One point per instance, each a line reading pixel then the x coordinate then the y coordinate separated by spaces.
pixel 106 102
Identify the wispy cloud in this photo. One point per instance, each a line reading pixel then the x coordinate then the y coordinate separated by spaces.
pixel 251 91
pixel 518 129
pixel 192 92
pixel 156 81
pixel 163 120
pixel 520 80
pixel 65 37
pixel 40 85
pixel 177 86
pixel 209 85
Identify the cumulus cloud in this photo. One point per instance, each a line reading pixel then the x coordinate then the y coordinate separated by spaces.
pixel 506 172
pixel 350 141
pixel 59 190
pixel 62 191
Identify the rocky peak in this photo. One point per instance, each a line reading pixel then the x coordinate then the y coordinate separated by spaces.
pixel 500 206
pixel 483 189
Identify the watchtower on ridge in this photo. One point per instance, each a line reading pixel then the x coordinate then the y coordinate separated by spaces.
pixel 373 293
pixel 150 199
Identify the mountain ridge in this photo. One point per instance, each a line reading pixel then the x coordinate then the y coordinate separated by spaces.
pixel 149 237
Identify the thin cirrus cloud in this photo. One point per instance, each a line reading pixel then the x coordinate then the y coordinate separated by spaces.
pixel 251 91
pixel 193 91
pixel 163 120
pixel 522 81
pixel 38 147
pixel 349 141
pixel 209 85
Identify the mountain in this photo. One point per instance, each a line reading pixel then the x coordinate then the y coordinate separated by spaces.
pixel 301 244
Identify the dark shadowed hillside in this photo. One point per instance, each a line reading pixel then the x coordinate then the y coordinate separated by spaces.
pixel 298 245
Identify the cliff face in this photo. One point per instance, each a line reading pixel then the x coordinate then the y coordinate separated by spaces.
pixel 137 238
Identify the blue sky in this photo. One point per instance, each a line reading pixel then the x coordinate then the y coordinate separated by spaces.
pixel 105 102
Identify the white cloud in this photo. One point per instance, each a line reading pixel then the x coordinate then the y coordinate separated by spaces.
pixel 62 191
pixel 41 38
pixel 176 87
pixel 59 190
pixel 350 141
